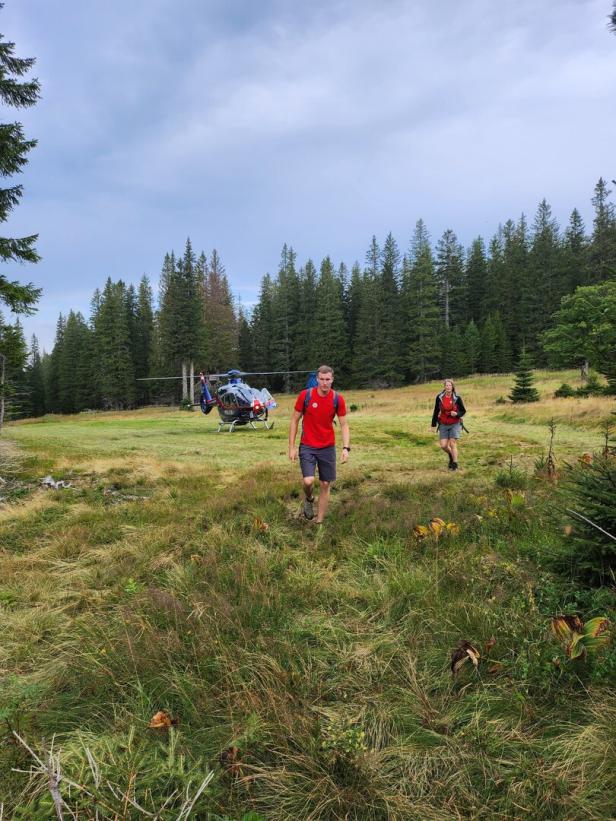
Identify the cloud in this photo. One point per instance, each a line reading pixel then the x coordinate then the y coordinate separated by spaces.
pixel 246 124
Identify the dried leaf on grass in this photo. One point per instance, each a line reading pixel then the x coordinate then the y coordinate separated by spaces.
pixel 162 721
pixel 463 652
pixel 230 761
pixel 578 638
pixel 435 528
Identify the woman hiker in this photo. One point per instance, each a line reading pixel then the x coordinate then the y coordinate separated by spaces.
pixel 448 412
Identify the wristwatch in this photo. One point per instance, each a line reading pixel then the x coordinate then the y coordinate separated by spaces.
pixel 346 448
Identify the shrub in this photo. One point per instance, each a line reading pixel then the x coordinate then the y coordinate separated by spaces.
pixel 512 478
pixel 564 391
pixel 592 487
pixel 593 387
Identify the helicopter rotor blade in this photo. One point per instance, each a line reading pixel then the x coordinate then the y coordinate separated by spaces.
pixel 155 378
pixel 229 374
pixel 264 373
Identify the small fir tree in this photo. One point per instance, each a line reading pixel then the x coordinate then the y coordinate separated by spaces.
pixel 523 390
pixel 592 487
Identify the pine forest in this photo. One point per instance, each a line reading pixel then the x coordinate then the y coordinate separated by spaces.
pixel 406 315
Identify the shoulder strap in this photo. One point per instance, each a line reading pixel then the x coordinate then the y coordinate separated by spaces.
pixel 308 397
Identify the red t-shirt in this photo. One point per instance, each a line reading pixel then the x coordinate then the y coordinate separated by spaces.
pixel 447 405
pixel 318 420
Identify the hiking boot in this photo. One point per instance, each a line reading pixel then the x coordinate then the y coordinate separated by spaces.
pixel 308 508
pixel 454 465
pixel 450 465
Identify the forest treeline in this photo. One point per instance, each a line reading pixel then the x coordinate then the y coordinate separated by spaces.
pixel 401 317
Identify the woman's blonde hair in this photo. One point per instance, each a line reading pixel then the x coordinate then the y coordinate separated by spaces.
pixel 453 385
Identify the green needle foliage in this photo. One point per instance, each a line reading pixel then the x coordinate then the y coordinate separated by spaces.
pixel 14 149
pixel 523 390
pixel 593 494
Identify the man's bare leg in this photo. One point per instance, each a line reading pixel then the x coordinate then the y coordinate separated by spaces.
pixel 308 485
pixel 323 501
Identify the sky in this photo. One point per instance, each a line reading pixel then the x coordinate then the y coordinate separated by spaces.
pixel 245 124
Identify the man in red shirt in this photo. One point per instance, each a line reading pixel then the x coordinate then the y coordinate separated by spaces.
pixel 318 407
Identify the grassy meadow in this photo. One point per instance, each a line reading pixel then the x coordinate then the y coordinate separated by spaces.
pixel 304 672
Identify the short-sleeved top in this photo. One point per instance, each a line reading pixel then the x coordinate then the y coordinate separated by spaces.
pixel 447 405
pixel 318 420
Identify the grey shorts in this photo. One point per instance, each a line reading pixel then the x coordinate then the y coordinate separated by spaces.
pixel 323 458
pixel 449 431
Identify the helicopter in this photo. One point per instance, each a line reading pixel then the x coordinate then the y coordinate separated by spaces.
pixel 238 403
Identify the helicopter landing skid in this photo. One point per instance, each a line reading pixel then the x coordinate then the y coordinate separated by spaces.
pixel 253 424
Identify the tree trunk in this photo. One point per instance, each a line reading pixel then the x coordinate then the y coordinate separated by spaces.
pixel 184 382
pixel 584 371
pixel 191 386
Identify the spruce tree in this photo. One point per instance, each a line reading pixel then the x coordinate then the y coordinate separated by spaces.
pixel 476 275
pixel 35 379
pixel 246 355
pixel 390 309
pixel 191 328
pixel 305 357
pixel 169 320
pixel 495 273
pixel 352 297
pixel 14 148
pixel 523 390
pixel 285 310
pixel 221 326
pixel 261 325
pixel 75 368
pixel 602 262
pixel 489 346
pixel 368 341
pixel 454 357
pixel 14 394
pixel 574 254
pixel 502 350
pixel 546 274
pixel 52 371
pixel 424 326
pixel 143 341
pixel 451 278
pixel 518 287
pixel 329 337
pixel 472 346
pixel 113 345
